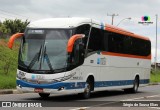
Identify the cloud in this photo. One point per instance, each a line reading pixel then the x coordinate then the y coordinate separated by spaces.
pixel 97 9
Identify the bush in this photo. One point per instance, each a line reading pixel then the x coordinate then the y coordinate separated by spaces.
pixel 8 65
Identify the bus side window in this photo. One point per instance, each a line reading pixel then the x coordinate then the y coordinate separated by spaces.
pixel 127 45
pixel 83 29
pixel 111 45
pixel 105 41
pixel 148 48
pixel 115 43
pixel 119 43
pixel 95 40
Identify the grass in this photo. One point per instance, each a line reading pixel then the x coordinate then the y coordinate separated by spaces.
pixel 155 76
pixel 8 65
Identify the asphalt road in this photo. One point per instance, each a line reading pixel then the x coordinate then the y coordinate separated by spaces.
pixel 111 100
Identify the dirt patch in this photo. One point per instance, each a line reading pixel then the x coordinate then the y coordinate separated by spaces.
pixel 3 42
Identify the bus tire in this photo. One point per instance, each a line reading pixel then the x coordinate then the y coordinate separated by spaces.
pixel 44 95
pixel 135 86
pixel 87 91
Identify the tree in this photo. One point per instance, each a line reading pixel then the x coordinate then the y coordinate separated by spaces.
pixel 16 25
pixel 4 31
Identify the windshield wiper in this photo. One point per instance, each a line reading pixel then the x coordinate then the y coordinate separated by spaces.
pixel 47 59
pixel 37 56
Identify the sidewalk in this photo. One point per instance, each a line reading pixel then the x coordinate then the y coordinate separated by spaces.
pixel 157 83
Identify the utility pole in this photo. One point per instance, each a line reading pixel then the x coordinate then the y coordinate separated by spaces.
pixel 112 15
pixel 156 45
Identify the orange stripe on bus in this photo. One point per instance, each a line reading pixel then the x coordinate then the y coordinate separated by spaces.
pixel 12 38
pixel 126 55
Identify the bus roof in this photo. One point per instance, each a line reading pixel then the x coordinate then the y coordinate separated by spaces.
pixel 76 21
pixel 59 22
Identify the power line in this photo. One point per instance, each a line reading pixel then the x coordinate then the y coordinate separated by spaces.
pixel 8 14
pixel 11 13
pixel 15 14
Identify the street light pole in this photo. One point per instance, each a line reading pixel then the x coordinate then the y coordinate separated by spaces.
pixel 112 15
pixel 124 19
pixel 156 45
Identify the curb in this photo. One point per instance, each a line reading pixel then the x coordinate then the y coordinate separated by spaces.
pixel 154 83
pixel 10 91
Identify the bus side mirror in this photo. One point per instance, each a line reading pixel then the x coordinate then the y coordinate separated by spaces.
pixel 72 40
pixel 12 39
pixel 75 49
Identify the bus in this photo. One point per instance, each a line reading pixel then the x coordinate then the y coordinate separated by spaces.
pixel 80 56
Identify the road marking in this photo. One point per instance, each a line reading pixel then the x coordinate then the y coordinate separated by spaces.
pixel 154 96
pixel 139 100
pixel 155 108
pixel 80 108
pixel 83 108
pixel 104 104
pixel 133 99
pixel 145 97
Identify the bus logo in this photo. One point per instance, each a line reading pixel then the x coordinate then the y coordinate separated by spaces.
pixel 37 77
pixel 33 77
pixel 98 60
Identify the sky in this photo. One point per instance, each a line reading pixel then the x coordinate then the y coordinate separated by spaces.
pixel 96 9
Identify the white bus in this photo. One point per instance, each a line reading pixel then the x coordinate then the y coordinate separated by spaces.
pixel 80 55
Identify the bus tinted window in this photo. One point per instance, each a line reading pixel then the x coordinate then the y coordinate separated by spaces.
pixel 119 43
pixel 83 29
pixel 95 40
pixel 127 43
pixel 101 40
pixel 115 43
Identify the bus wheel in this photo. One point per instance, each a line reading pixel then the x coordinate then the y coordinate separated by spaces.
pixel 44 95
pixel 135 86
pixel 87 90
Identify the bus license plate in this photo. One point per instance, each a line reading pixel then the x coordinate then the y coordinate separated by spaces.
pixel 38 90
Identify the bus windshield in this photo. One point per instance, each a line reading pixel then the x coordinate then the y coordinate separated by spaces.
pixel 44 49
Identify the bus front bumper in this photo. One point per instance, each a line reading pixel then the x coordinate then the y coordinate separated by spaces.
pixel 55 88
